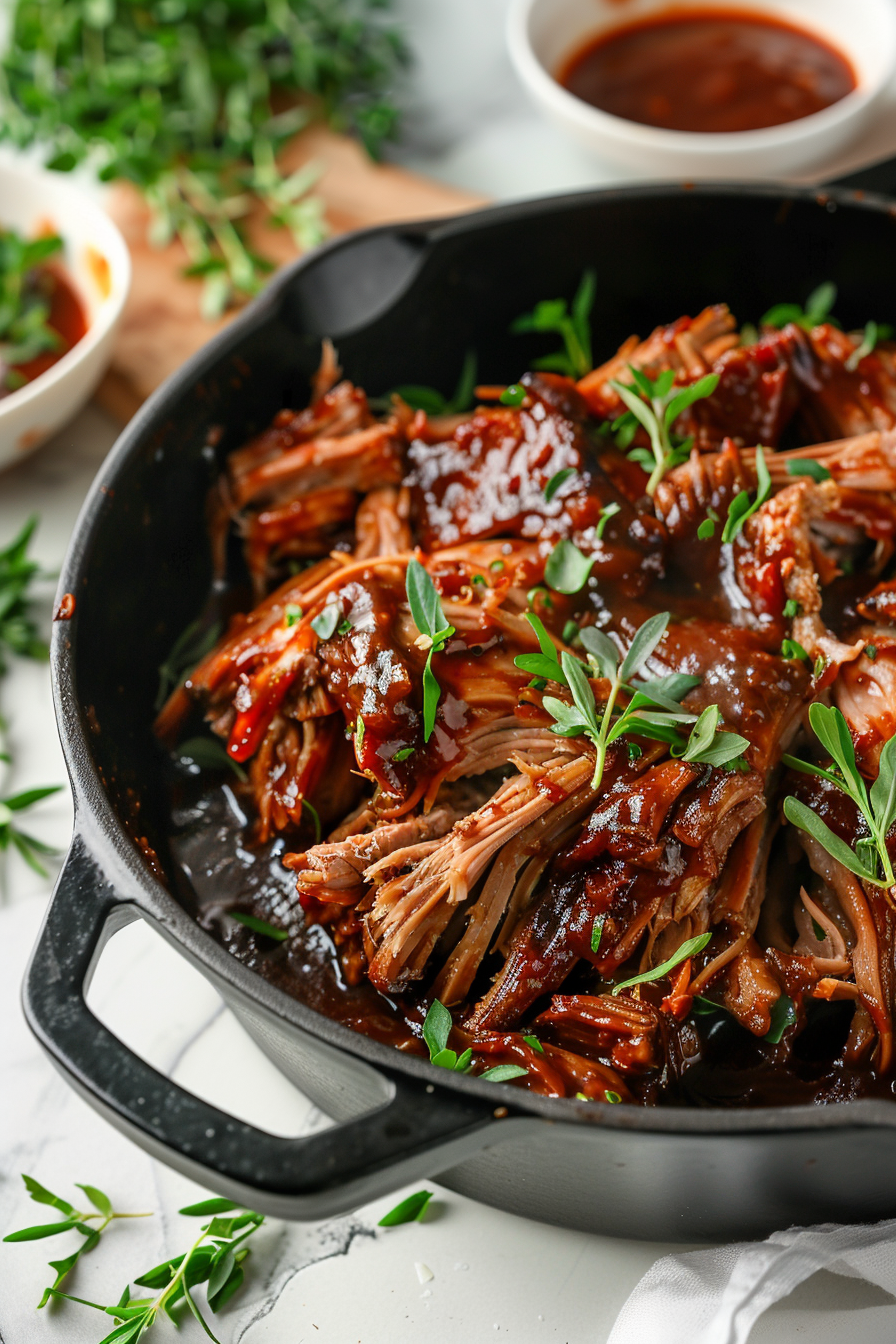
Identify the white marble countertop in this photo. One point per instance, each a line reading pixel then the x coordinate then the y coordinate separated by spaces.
pixel 494 1275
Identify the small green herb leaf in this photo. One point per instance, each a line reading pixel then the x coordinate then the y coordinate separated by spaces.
pixel 572 325
pixel 325 622
pixel 597 929
pixel 558 479
pixel 607 512
pixel 783 1015
pixel 807 466
pixel 410 1210
pixel 600 647
pixel 502 1073
pixel 740 508
pixel 864 348
pixel 690 948
pixel 643 645
pixel 436 1029
pixel 567 569
pixel 514 395
pixel 260 926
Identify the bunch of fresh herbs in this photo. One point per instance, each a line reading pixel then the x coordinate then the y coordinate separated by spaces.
pixel 215 1259
pixel 190 100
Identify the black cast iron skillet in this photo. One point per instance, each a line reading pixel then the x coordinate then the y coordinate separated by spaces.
pixel 403 304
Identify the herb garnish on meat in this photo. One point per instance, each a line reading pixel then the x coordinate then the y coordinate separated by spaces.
pixel 870 859
pixel 656 404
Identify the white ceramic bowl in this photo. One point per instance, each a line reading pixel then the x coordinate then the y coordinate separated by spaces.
pixel 98 265
pixel 543 33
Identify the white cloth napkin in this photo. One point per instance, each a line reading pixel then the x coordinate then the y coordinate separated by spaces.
pixel 716 1296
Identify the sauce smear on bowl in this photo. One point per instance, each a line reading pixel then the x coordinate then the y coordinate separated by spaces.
pixel 710 70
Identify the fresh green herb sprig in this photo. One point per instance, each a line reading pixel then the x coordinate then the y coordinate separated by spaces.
pixel 18 632
pixel 546 663
pixel 25 332
pixel 817 310
pixel 707 528
pixel 216 1259
pixel 428 399
pixel 607 512
pixel 653 711
pixel 655 404
pixel 78 1220
pixel 783 1015
pixel 870 860
pixel 188 650
pixel 571 322
pixel 742 507
pixel 583 717
pixel 429 618
pixel 190 101
pixel 690 948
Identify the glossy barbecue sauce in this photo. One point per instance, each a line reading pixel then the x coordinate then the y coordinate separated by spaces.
pixel 708 70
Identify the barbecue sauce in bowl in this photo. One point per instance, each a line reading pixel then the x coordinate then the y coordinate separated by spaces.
pixel 708 70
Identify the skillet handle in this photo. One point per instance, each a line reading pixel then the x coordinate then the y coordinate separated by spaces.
pixel 415 1133
pixel 879 178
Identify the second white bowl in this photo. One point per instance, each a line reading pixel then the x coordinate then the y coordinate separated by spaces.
pixel 98 264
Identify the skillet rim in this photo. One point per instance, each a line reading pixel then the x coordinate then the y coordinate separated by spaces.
pixel 98 825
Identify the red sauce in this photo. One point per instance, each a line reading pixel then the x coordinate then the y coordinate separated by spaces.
pixel 67 317
pixel 708 70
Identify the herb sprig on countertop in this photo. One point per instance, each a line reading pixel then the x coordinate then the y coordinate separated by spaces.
pixel 190 101
pixel 24 305
pixel 18 632
pixel 91 1224
pixel 215 1259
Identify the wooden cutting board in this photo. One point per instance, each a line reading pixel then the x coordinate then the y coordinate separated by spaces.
pixel 162 325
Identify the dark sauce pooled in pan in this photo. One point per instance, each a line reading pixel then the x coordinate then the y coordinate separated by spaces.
pixel 222 871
